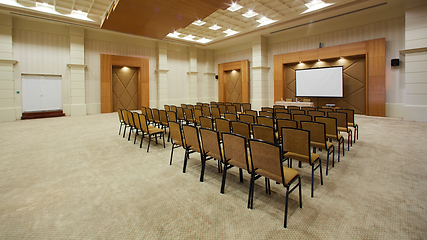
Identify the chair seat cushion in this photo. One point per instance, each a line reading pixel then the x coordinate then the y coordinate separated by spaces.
pixel 338 137
pixel 343 129
pixel 289 174
pixel 321 145
pixel 154 130
pixel 303 158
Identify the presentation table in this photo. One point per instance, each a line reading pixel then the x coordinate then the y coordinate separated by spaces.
pixel 299 104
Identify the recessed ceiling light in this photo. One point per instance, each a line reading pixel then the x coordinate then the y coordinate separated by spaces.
pixel 174 34
pixel 199 22
pixel 78 14
pixel 250 13
pixel 45 7
pixel 234 7
pixel 203 40
pixel 315 5
pixel 215 27
pixel 230 32
pixel 265 21
pixel 189 37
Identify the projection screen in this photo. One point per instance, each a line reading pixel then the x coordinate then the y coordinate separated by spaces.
pixel 319 82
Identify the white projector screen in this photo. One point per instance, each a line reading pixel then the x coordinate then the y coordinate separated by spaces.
pixel 319 82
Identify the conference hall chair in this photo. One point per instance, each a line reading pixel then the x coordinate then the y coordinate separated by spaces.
pixel 198 107
pixel 199 103
pixel 167 108
pixel 252 112
pixel 197 114
pixel 206 111
pixel 136 125
pixel 173 108
pixel 302 117
pixel 188 115
pixel 275 107
pixel 231 116
pixel 292 107
pixel 149 116
pixel 351 123
pixel 164 121
pixel 241 128
pixel 342 126
pixel 246 106
pixel 332 132
pixel 315 113
pixel 180 114
pixel 281 110
pixel 238 107
pixel 306 109
pixel 131 122
pixel 207 122
pixel 288 100
pixel 192 145
pixel 231 109
pixel 175 132
pixel 190 106
pixel 283 115
pixel 267 109
pixel 296 146
pixel 265 133
pixel 318 139
pixel 150 131
pixel 325 110
pixel 282 122
pixel 222 125
pixel 215 113
pixel 125 120
pixel 296 111
pixel 235 155
pixel 247 118
pixel 266 113
pixel 264 120
pixel 211 148
pixel 144 110
pixel 172 116
pixel 156 117
pixel 183 105
pixel 205 104
pixel 306 100
pixel 121 120
pixel 222 109
pixel 267 161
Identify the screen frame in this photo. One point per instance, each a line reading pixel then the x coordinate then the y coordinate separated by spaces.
pixel 342 82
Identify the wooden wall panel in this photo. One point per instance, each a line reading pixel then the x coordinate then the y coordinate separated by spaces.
pixel 243 66
pixel 374 50
pixel 107 62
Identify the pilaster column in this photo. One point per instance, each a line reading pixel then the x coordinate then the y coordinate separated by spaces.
pixel 259 83
pixel 415 107
pixel 7 87
pixel 211 83
pixel 77 72
pixel 162 74
pixel 192 75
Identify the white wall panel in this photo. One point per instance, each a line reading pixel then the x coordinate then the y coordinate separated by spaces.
pixel 93 51
pixel 178 82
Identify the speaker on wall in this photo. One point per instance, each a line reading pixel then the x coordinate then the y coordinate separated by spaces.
pixel 216 76
pixel 395 62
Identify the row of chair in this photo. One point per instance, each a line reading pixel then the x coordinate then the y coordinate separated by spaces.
pixel 258 157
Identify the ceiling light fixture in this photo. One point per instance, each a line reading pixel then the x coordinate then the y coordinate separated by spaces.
pixel 315 5
pixel 78 14
pixel 199 22
pixel 265 21
pixel 215 27
pixel 250 13
pixel 45 7
pixel 203 40
pixel 189 37
pixel 234 7
pixel 175 34
pixel 230 32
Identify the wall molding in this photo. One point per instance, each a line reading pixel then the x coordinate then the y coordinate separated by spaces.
pixel 9 61
pixel 72 65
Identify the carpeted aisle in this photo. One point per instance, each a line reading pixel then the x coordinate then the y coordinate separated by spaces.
pixel 76 178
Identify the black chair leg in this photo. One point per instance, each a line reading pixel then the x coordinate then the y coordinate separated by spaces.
pixel 170 162
pixel 149 141
pixel 241 174
pixel 224 175
pixel 250 205
pixel 202 174
pixel 312 178
pixel 286 206
pixel 185 161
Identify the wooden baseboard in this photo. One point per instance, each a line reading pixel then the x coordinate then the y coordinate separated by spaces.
pixel 42 114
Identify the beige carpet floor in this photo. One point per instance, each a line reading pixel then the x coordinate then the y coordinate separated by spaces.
pixel 76 178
